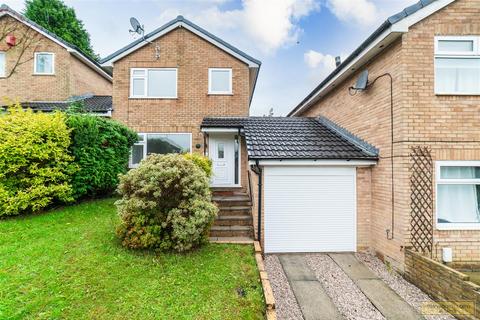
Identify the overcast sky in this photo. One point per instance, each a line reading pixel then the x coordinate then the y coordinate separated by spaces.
pixel 296 40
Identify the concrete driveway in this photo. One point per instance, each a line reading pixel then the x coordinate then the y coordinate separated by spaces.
pixel 333 286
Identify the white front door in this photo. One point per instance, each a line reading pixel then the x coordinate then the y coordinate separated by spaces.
pixel 222 153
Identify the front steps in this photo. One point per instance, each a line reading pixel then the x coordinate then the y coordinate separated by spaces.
pixel 234 223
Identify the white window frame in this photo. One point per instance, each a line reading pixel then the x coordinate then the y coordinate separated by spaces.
pixel 440 181
pixel 3 73
pixel 145 77
pixel 35 72
pixel 144 143
pixel 474 54
pixel 228 92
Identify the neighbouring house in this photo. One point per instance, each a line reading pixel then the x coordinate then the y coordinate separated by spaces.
pixel 165 84
pixel 42 71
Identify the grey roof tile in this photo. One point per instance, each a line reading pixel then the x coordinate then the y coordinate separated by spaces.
pixel 92 103
pixel 293 138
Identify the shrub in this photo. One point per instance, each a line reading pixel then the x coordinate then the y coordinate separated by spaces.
pixel 35 164
pixel 202 162
pixel 166 204
pixel 101 148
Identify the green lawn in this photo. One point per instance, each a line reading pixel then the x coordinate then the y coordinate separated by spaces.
pixel 68 264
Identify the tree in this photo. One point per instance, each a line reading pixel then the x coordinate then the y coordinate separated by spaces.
pixel 61 20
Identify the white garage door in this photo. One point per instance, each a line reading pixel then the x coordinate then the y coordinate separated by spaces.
pixel 310 209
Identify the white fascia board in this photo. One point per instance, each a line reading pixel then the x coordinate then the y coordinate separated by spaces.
pixel 349 163
pixel 373 49
pixel 180 24
pixel 404 24
pixel 395 30
pixel 220 130
pixel 89 63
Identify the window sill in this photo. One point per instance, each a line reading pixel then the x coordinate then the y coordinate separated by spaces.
pixel 456 94
pixel 458 226
pixel 153 98
pixel 219 94
pixel 43 74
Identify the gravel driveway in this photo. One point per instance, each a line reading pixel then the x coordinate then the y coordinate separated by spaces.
pixel 343 292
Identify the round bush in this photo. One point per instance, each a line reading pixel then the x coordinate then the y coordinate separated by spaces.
pixel 166 204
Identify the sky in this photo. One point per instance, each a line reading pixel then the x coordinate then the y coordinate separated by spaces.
pixel 296 40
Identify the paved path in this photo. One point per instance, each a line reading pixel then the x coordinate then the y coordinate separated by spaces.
pixel 311 297
pixel 317 305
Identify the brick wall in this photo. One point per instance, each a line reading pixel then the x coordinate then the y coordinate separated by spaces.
pixel 192 56
pixel 448 124
pixel 443 284
pixel 71 76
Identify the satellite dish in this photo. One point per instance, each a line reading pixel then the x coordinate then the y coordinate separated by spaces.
pixel 362 81
pixel 136 26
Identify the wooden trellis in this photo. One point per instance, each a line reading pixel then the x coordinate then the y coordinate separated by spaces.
pixel 421 196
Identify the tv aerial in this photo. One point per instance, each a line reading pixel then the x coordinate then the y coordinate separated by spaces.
pixel 139 29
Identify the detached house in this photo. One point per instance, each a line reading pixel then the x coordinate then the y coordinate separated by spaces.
pixel 43 72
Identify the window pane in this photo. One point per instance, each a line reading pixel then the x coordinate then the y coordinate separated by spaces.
pixel 460 172
pixel 455 45
pixel 168 143
pixel 221 151
pixel 220 81
pixel 137 154
pixel 2 64
pixel 138 87
pixel 138 73
pixel 44 63
pixel 162 83
pixel 458 204
pixel 457 75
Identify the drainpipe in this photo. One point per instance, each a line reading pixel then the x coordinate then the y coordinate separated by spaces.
pixel 259 173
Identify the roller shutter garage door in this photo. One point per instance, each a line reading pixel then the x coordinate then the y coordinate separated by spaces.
pixel 309 209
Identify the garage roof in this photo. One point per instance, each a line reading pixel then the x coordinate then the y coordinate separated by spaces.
pixel 278 138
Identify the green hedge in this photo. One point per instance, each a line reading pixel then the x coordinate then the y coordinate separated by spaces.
pixel 101 148
pixel 48 158
pixel 35 163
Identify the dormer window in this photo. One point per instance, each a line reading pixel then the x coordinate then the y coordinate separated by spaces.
pixel 44 63
pixel 457 65
pixel 219 81
pixel 154 83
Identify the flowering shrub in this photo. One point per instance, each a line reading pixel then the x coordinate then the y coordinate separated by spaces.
pixel 201 161
pixel 166 204
pixel 35 164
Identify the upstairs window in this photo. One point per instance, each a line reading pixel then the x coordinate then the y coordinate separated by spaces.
pixel 219 81
pixel 158 83
pixel 457 65
pixel 44 63
pixel 458 195
pixel 2 64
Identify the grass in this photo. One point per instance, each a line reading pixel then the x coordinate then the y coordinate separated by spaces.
pixel 68 264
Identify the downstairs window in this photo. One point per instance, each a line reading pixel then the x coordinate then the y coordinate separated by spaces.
pixel 159 143
pixel 458 195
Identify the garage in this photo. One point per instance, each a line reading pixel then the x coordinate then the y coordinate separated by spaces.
pixel 310 209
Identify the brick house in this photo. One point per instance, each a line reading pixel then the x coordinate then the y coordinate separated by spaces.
pixel 423 191
pixel 43 72
pixel 166 83
pixel 384 153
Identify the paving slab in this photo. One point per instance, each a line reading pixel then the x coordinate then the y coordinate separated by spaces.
pixel 387 301
pixel 311 296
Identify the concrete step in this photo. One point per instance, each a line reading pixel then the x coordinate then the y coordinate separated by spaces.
pixel 231 231
pixel 234 220
pixel 235 240
pixel 228 201
pixel 235 211
pixel 228 191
